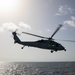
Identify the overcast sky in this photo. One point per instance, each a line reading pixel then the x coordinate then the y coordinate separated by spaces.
pixel 40 17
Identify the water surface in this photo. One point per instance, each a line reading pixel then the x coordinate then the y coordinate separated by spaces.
pixel 37 68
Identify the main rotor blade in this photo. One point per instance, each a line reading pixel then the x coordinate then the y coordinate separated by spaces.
pixel 65 40
pixel 56 30
pixel 35 35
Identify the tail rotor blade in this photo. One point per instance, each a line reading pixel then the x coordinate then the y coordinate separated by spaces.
pixel 15 32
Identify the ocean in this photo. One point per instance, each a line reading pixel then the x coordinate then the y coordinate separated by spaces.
pixel 37 68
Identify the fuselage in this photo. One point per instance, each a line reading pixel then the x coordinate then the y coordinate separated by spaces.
pixel 44 44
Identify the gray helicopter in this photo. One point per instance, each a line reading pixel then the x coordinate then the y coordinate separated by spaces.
pixel 45 43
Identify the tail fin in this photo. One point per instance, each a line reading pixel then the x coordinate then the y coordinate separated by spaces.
pixel 15 37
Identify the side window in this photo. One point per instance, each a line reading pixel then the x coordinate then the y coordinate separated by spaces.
pixel 57 45
pixel 52 43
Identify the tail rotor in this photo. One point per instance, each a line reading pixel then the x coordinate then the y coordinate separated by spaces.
pixel 15 37
pixel 14 32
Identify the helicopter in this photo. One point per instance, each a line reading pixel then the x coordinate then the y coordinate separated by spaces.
pixel 46 43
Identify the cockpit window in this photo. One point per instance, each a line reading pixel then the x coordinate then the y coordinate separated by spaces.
pixel 53 43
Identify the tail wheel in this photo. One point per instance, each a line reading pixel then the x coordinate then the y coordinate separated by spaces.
pixel 22 47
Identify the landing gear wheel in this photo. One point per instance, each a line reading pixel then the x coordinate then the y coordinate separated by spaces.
pixel 51 51
pixel 22 47
pixel 55 50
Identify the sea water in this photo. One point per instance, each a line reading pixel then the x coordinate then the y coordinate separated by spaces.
pixel 37 68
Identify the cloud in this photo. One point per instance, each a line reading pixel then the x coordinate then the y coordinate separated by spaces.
pixel 72 17
pixel 63 28
pixel 64 10
pixel 13 26
pixel 8 26
pixel 26 26
pixel 70 22
pixel 48 30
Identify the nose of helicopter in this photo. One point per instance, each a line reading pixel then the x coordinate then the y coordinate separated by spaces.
pixel 63 48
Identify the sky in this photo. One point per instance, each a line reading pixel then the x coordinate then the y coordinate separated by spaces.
pixel 40 17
